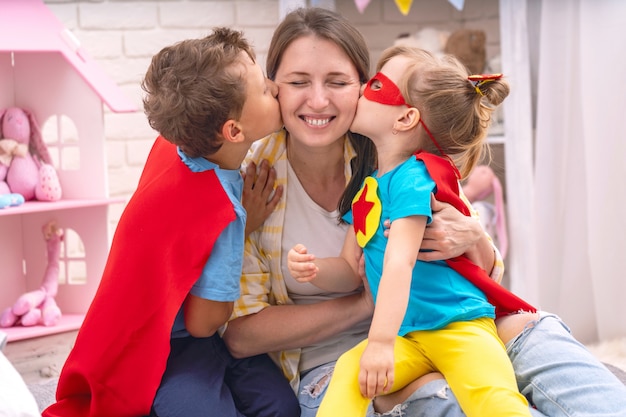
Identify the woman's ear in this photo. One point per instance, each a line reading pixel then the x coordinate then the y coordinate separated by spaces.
pixel 232 132
pixel 408 120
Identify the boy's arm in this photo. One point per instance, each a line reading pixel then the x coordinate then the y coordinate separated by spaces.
pixel 203 317
pixel 334 274
pixel 377 363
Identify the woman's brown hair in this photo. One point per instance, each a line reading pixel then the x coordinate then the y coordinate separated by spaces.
pixel 331 26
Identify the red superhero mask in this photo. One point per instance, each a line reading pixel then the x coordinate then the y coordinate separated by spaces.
pixel 387 91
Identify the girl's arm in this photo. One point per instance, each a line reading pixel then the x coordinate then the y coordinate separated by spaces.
pixel 264 325
pixel 284 327
pixel 334 274
pixel 377 362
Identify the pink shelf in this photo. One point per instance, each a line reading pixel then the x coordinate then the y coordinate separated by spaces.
pixel 41 206
pixel 49 73
pixel 67 323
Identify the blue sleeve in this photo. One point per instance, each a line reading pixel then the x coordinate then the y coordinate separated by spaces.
pixel 220 276
pixel 219 280
pixel 410 190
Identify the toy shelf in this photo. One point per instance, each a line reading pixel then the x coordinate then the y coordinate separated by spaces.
pixel 67 323
pixel 45 206
pixel 47 73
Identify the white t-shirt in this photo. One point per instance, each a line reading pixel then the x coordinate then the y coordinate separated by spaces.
pixel 319 230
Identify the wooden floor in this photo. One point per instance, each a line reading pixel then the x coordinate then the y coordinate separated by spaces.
pixel 40 359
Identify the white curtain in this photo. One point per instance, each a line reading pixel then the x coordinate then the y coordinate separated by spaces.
pixel 578 225
pixel 515 27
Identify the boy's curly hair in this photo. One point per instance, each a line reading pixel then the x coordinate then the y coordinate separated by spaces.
pixel 192 89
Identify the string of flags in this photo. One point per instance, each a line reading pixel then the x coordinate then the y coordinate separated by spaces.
pixel 404 5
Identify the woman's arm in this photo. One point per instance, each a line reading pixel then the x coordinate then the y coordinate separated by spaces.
pixel 264 319
pixel 452 234
pixel 284 327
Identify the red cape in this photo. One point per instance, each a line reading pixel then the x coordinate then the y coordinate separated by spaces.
pixel 162 242
pixel 445 175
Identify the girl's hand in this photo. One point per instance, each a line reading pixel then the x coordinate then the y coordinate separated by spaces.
pixel 300 264
pixel 259 196
pixel 376 373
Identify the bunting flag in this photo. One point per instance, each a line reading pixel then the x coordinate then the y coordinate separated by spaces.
pixel 361 5
pixel 458 4
pixel 405 5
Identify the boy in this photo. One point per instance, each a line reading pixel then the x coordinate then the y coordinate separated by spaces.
pixel 149 344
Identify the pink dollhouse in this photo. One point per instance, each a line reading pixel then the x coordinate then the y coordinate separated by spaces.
pixel 44 69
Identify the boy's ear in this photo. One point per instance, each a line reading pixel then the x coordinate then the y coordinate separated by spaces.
pixel 232 132
pixel 407 120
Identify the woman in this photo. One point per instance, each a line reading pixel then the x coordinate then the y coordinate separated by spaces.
pixel 319 62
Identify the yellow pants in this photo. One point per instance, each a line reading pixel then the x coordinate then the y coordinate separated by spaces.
pixel 470 356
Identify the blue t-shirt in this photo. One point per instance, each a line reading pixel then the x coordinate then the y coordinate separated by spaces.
pixel 439 295
pixel 220 276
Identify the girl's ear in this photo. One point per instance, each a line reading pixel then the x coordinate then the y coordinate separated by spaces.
pixel 232 132
pixel 407 120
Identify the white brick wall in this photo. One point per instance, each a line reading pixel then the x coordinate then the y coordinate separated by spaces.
pixel 122 35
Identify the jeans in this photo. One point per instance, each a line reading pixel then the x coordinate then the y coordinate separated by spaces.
pixel 313 386
pixel 560 376
pixel 557 374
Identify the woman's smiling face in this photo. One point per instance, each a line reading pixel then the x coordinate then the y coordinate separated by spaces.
pixel 318 91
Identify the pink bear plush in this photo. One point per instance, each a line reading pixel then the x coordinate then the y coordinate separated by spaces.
pixel 481 184
pixel 25 164
pixel 39 307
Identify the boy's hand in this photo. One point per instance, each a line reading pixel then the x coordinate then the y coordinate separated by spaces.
pixel 376 373
pixel 259 196
pixel 300 264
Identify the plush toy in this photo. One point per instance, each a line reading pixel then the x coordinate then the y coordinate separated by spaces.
pixel 25 164
pixel 428 38
pixel 468 45
pixel 39 306
pixel 480 185
pixel 11 200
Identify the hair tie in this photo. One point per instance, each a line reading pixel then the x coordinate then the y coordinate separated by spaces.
pixel 478 80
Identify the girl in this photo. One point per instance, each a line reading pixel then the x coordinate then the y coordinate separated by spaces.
pixel 446 323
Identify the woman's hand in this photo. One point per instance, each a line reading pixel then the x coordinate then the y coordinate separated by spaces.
pixel 453 234
pixel 259 195
pixel 450 234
